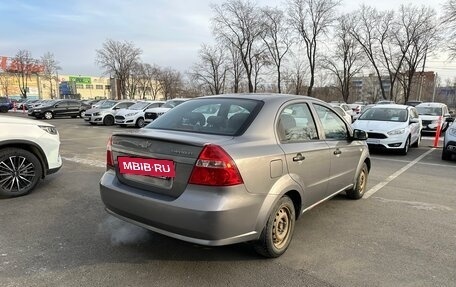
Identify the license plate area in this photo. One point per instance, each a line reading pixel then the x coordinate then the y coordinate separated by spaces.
pixel 371 141
pixel 152 167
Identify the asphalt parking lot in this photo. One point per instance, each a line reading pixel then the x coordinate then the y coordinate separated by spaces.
pixel 403 233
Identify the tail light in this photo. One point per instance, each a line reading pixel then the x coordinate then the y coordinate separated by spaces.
pixel 109 158
pixel 215 167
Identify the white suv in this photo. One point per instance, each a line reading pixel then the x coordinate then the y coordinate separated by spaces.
pixel 134 114
pixel 29 150
pixel 151 114
pixel 431 113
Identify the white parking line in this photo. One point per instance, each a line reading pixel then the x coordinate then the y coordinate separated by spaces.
pixel 97 147
pixel 91 138
pixel 91 162
pixel 395 175
pixel 408 161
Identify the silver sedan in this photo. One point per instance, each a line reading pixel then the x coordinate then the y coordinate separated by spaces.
pixel 219 170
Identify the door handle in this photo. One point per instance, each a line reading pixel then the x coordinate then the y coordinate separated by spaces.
pixel 299 157
pixel 337 152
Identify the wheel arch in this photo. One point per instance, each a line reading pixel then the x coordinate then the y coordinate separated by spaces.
pixel 283 187
pixel 31 147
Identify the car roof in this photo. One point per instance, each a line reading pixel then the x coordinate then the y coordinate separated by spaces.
pixel 266 97
pixel 391 106
pixel 431 104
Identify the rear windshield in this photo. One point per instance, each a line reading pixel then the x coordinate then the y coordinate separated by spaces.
pixel 223 116
pixel 429 111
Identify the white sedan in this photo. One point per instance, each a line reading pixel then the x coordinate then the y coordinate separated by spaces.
pixel 391 127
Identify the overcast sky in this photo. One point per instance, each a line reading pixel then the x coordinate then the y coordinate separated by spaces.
pixel 170 32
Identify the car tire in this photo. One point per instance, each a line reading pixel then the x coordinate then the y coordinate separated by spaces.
pixel 48 115
pixel 418 142
pixel 278 232
pixel 108 120
pixel 82 114
pixel 445 154
pixel 406 147
pixel 140 123
pixel 3 109
pixel 359 189
pixel 15 162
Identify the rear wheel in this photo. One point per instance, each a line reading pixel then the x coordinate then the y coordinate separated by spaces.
pixel 140 123
pixel 82 114
pixel 276 235
pixel 20 171
pixel 108 120
pixel 48 115
pixel 3 109
pixel 360 185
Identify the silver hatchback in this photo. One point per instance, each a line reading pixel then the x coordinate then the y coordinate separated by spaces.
pixel 219 170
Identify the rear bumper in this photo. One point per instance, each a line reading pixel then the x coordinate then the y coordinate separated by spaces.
pixel 200 215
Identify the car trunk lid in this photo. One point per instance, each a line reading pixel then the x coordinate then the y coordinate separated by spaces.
pixel 180 149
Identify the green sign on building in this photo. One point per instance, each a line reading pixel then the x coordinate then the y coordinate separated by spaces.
pixel 81 80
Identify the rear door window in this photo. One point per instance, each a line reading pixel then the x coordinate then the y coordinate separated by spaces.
pixel 296 124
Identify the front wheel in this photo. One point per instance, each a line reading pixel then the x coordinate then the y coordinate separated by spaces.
pixel 82 114
pixel 418 142
pixel 48 115
pixel 276 235
pixel 360 185
pixel 405 149
pixel 140 123
pixel 20 171
pixel 108 120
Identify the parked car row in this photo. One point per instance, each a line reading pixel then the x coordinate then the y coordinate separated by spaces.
pixel 398 127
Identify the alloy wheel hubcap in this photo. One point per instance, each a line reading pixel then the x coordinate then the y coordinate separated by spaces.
pixel 16 173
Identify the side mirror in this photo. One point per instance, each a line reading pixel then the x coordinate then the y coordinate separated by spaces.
pixel 449 120
pixel 359 135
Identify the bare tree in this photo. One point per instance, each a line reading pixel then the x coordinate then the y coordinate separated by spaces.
pixel 368 33
pixel 237 22
pixel 153 73
pixel 418 36
pixel 51 68
pixel 134 80
pixel 449 22
pixel 348 58
pixel 211 70
pixel 235 67
pixel 277 38
pixel 5 83
pixel 23 66
pixel 312 19
pixel 171 83
pixel 295 76
pixel 118 59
